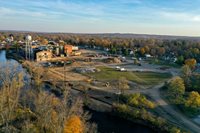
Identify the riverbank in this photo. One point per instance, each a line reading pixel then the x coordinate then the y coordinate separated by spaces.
pixel 11 54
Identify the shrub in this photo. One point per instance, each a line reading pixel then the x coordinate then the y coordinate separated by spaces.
pixel 141 101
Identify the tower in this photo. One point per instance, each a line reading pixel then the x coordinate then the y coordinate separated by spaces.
pixel 28 48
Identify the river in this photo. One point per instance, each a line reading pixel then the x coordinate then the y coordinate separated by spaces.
pixel 4 60
pixel 106 123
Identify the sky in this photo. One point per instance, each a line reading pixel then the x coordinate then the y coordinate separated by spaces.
pixel 162 17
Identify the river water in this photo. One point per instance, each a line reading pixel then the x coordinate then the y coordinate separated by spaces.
pixel 4 60
pixel 106 123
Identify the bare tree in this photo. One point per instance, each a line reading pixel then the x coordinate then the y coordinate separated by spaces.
pixel 11 84
pixel 122 85
pixel 33 110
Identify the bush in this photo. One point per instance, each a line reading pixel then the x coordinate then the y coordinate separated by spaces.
pixel 141 101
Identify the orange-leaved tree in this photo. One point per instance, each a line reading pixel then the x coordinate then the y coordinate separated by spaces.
pixel 74 125
pixel 191 63
pixel 142 51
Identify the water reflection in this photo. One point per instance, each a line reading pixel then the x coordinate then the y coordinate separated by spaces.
pixel 6 63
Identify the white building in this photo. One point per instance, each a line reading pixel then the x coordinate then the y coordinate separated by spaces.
pixel 75 48
pixel 148 56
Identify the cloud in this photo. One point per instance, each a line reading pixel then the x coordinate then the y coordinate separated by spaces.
pixel 100 15
pixel 181 16
pixel 5 11
pixel 24 13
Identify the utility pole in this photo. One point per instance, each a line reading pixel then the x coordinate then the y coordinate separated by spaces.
pixel 64 77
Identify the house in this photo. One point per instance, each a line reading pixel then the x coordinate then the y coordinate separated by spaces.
pixel 148 56
pixel 170 58
pixel 61 42
pixel 43 55
pixel 3 42
pixel 175 59
pixel 106 49
pixel 75 48
pixel 68 49
pixel 131 52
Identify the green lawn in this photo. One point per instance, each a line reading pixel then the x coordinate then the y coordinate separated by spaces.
pixel 143 78
pixel 164 63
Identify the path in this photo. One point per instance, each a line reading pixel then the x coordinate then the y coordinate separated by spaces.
pixel 169 112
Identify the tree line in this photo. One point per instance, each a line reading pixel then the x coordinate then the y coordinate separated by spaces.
pixel 181 48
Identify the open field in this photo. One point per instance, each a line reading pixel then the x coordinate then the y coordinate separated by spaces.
pixel 164 63
pixel 145 78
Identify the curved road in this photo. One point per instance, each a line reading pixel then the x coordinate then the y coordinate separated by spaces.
pixel 167 110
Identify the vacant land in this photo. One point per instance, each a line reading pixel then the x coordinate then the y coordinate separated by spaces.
pixel 164 63
pixel 143 78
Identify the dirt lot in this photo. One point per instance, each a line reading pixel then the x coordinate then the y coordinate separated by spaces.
pixel 58 73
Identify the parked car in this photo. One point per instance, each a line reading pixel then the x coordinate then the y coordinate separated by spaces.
pixel 117 67
pixel 123 70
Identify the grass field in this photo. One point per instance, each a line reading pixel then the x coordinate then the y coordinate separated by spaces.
pixel 143 78
pixel 164 63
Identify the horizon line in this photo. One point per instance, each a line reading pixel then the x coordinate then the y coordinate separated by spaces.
pixel 98 33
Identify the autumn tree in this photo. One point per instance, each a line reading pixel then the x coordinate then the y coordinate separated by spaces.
pixel 161 51
pixel 73 125
pixel 142 51
pixel 186 73
pixel 44 41
pixel 139 100
pixel 193 101
pixel 146 49
pixel 191 63
pixel 2 38
pixel 176 89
